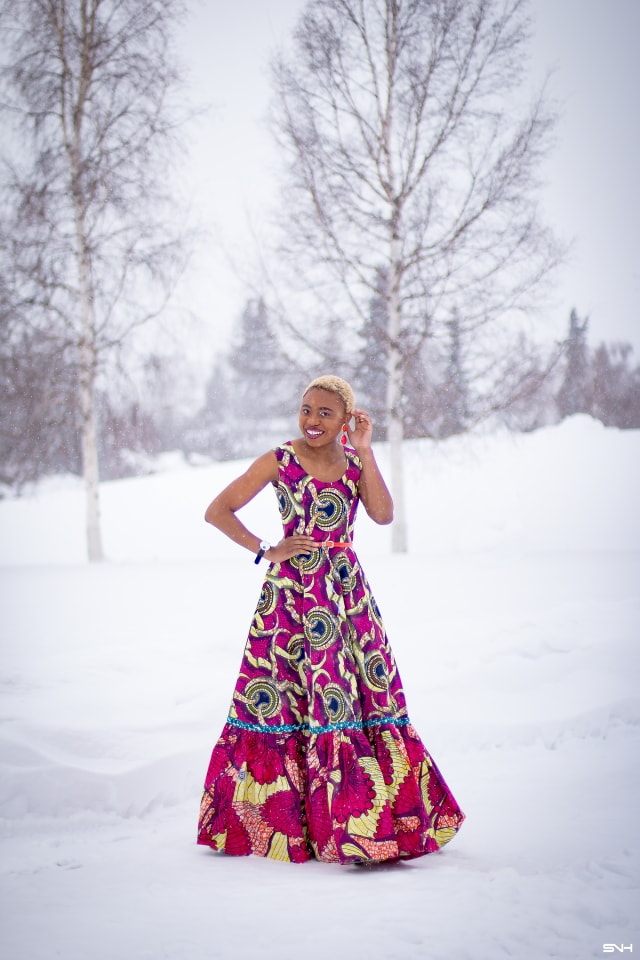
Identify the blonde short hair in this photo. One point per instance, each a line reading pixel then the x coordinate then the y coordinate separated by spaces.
pixel 334 385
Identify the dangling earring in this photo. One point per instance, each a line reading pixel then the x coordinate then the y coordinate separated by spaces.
pixel 343 438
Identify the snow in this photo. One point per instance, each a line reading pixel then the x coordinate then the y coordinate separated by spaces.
pixel 514 620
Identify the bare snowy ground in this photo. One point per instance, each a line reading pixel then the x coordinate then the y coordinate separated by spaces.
pixel 515 621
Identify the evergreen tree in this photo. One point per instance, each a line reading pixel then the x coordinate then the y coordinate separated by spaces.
pixel 574 395
pixel 248 406
pixel 211 432
pixel 455 390
pixel 39 432
pixel 422 396
pixel 616 386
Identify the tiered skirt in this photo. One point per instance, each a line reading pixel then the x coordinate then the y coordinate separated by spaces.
pixel 345 793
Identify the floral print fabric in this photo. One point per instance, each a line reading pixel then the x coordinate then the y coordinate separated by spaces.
pixel 318 757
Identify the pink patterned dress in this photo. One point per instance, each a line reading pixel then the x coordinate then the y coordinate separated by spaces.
pixel 318 757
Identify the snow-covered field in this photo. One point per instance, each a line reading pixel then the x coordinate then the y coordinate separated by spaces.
pixel 515 620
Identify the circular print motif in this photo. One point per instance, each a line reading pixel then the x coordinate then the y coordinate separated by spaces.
pixel 295 648
pixel 375 612
pixel 320 628
pixel 308 562
pixel 345 571
pixel 268 599
pixel 376 671
pixel 329 510
pixel 336 703
pixel 263 699
pixel 285 503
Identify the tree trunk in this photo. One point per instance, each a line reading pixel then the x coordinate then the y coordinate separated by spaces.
pixel 87 377
pixel 399 529
pixel 90 458
pixel 395 429
pixel 402 159
pixel 73 118
pixel 395 425
pixel 91 82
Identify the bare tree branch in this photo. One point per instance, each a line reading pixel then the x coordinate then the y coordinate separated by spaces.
pixel 407 150
pixel 88 90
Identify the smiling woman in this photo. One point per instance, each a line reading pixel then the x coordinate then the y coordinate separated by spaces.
pixel 318 757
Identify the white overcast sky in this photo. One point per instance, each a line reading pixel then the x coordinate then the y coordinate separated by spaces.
pixel 592 194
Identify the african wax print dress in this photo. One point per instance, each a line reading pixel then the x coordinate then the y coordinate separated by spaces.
pixel 318 757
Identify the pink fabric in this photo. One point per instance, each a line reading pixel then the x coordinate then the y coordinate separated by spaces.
pixel 318 758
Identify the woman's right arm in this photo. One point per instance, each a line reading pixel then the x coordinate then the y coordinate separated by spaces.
pixel 221 512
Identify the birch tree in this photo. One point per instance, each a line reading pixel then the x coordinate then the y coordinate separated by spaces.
pixel 410 152
pixel 87 89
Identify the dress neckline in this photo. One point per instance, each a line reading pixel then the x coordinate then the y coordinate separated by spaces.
pixel 310 475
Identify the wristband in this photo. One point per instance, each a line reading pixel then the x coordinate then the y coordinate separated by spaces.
pixel 264 546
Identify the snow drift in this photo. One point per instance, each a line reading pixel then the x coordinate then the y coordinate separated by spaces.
pixel 520 665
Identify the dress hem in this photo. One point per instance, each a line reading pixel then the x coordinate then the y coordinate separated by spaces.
pixel 344 796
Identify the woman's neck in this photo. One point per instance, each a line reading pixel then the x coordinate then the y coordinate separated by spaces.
pixel 327 464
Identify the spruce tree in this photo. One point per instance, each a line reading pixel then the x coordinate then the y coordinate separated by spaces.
pixel 574 395
pixel 455 388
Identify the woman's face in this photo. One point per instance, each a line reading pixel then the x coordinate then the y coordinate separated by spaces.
pixel 322 414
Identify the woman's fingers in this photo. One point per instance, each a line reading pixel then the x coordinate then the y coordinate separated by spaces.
pixel 301 544
pixel 362 430
pixel 293 546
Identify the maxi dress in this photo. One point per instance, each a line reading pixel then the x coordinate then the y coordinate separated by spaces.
pixel 318 757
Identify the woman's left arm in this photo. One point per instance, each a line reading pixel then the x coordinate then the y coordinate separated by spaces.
pixel 372 489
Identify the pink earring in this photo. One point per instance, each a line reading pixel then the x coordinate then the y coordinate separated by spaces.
pixel 343 438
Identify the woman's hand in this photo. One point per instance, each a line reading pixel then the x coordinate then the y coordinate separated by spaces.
pixel 372 489
pixel 360 434
pixel 291 547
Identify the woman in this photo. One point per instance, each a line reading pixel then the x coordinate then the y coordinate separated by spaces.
pixel 318 757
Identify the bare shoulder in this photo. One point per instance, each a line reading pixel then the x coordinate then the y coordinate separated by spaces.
pixel 264 468
pixel 244 488
pixel 262 471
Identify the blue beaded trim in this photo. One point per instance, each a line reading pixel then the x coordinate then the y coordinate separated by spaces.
pixel 308 728
pixel 394 721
